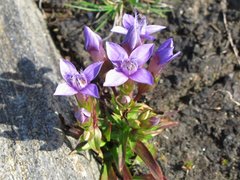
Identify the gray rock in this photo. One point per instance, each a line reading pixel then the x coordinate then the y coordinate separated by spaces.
pixel 32 144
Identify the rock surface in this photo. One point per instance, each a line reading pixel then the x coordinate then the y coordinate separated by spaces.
pixel 32 145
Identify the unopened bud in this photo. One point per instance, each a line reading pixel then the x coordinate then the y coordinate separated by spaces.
pixel 154 120
pixel 82 115
pixel 125 100
pixel 94 45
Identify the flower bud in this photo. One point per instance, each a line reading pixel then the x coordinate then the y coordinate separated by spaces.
pixel 125 99
pixel 82 115
pixel 154 120
pixel 162 56
pixel 94 45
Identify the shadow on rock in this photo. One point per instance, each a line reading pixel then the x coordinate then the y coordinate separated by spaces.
pixel 26 106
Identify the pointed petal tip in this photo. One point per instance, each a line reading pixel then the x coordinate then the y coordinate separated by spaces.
pixel 115 52
pixel 142 53
pixel 91 90
pixel 92 39
pixel 127 20
pixel 114 78
pixel 150 29
pixel 119 29
pixel 92 70
pixel 67 68
pixel 142 76
pixel 166 44
pixel 64 90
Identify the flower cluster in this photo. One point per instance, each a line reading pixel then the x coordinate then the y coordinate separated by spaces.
pixel 117 118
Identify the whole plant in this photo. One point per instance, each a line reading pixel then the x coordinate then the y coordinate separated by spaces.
pixel 111 121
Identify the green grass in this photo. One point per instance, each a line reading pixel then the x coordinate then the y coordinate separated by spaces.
pixel 112 10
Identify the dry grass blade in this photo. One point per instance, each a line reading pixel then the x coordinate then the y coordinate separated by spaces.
pixel 230 39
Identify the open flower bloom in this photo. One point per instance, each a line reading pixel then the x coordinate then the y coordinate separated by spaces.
pixel 94 45
pixel 128 67
pixel 78 82
pixel 145 30
pixel 82 115
pixel 163 55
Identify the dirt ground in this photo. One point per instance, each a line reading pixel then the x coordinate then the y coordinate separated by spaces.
pixel 202 87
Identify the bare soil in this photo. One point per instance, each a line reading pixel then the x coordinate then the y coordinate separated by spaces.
pixel 202 87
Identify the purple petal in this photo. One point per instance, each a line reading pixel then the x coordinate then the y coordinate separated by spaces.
pixel 128 21
pixel 115 78
pixel 150 29
pixel 92 40
pixel 92 70
pixel 119 29
pixel 132 39
pixel 65 90
pixel 143 24
pixel 91 90
pixel 142 76
pixel 173 56
pixel 164 55
pixel 82 115
pixel 115 52
pixel 148 37
pixel 165 52
pixel 67 69
pixel 142 53
pixel 166 44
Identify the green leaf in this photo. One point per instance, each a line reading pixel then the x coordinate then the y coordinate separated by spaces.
pixel 141 150
pixel 104 172
pixel 122 148
pixel 140 134
pixel 127 88
pixel 108 131
pixel 133 114
pixel 97 137
pixel 82 146
pixel 145 115
pixel 158 129
pixel 144 177
pixel 96 142
pixel 134 123
pixel 116 117
pixel 107 172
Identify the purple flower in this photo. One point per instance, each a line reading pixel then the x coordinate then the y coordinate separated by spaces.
pixel 132 39
pixel 82 115
pixel 163 55
pixel 128 67
pixel 94 45
pixel 78 82
pixel 145 30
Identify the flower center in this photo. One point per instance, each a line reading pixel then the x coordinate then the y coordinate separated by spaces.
pixel 79 81
pixel 129 67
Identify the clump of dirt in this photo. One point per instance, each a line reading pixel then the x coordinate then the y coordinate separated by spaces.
pixel 203 86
